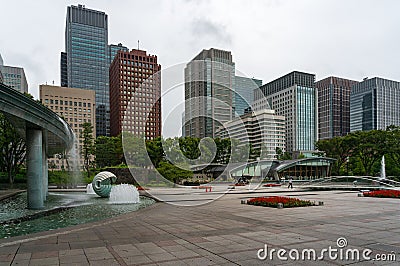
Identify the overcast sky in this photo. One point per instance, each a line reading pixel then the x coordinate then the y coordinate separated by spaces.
pixel 350 39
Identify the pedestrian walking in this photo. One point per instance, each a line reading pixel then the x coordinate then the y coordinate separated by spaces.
pixel 290 183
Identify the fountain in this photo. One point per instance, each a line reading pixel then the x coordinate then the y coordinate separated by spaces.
pixel 70 208
pixel 102 183
pixel 74 159
pixel 383 168
pixel 90 190
pixel 124 194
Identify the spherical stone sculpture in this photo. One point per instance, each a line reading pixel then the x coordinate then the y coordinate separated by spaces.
pixel 102 183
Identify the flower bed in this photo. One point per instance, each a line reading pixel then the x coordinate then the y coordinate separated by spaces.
pixel 272 185
pixel 274 200
pixel 383 194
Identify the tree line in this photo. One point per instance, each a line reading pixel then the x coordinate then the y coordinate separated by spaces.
pixel 360 153
pixel 357 153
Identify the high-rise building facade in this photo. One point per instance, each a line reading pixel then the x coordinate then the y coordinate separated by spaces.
pixel 13 77
pixel 333 106
pixel 86 58
pixel 244 93
pixel 64 70
pixel 263 129
pixel 76 106
pixel 113 50
pixel 374 104
pixel 293 96
pixel 135 94
pixel 209 92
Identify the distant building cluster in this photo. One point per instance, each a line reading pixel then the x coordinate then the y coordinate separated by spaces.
pixel 117 89
pixel 301 109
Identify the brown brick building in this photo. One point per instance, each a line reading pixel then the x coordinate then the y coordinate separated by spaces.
pixel 135 94
pixel 333 107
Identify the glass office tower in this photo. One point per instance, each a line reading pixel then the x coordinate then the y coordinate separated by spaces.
pixel 374 104
pixel 209 96
pixel 113 50
pixel 87 59
pixel 244 93
pixel 293 96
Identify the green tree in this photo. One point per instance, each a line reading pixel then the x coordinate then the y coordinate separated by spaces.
pixel 301 156
pixel 223 152
pixel 369 147
pixel 87 145
pixel 393 144
pixel 108 151
pixel 135 150
pixel 339 148
pixel 283 155
pixel 12 149
pixel 173 173
pixel 279 153
pixel 155 151
pixel 190 147
pixel 172 151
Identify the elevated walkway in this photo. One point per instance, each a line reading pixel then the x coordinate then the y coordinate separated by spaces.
pixel 45 134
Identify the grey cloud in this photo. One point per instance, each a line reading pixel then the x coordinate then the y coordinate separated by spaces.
pixel 202 28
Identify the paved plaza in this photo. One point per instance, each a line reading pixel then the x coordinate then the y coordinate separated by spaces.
pixel 221 232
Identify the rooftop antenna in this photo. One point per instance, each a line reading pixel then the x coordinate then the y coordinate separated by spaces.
pixel 138 44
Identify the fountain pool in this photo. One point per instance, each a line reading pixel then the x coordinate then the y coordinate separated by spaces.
pixel 69 209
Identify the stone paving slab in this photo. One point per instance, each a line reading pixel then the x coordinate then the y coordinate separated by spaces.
pixel 223 232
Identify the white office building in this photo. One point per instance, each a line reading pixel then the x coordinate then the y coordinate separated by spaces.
pixel 262 129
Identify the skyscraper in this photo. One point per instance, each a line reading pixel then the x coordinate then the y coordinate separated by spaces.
pixel 293 96
pixel 333 107
pixel 209 95
pixel 244 93
pixel 113 49
pixel 13 77
pixel 374 104
pixel 135 89
pixel 87 59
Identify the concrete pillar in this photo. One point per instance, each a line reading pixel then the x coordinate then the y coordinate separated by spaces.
pixel 44 170
pixel 45 166
pixel 34 164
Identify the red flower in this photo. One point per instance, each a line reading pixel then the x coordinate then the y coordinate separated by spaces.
pixel 388 193
pixel 274 200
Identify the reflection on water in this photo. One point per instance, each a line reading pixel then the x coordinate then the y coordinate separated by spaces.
pixel 86 208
